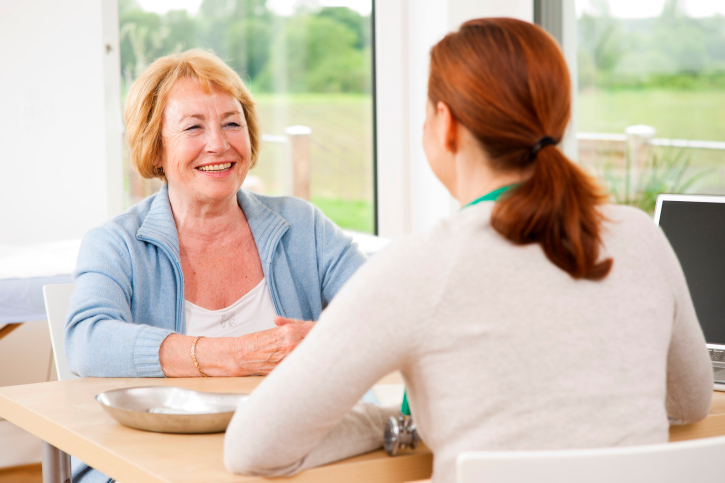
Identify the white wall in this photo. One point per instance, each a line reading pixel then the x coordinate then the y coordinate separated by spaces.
pixel 410 198
pixel 60 118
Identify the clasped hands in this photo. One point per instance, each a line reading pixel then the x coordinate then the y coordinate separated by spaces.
pixel 252 354
pixel 260 352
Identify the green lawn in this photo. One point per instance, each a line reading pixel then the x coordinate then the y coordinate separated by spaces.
pixel 351 215
pixel 679 114
pixel 341 152
pixel 342 143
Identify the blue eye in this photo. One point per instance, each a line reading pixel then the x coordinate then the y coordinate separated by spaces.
pixel 196 126
pixel 233 124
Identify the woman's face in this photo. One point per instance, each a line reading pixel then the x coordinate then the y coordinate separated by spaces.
pixel 206 151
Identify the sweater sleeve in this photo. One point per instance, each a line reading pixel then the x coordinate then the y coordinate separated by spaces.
pixel 689 370
pixel 300 416
pixel 338 256
pixel 101 339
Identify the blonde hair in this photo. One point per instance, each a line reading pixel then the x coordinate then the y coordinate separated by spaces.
pixel 147 97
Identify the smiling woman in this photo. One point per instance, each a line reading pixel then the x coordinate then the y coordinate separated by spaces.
pixel 203 278
pixel 206 150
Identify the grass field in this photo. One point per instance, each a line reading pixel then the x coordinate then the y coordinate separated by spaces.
pixel 351 215
pixel 341 152
pixel 679 114
pixel 342 143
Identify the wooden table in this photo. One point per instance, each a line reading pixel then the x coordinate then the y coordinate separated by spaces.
pixel 65 415
pixel 712 425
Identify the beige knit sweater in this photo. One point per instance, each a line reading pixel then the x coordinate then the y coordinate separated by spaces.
pixel 499 349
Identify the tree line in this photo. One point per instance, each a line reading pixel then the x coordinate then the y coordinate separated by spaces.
pixel 316 50
pixel 670 51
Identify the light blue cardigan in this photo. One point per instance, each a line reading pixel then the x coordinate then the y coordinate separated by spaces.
pixel 129 291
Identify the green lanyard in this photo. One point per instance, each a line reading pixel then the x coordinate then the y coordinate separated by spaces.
pixel 405 409
pixel 492 196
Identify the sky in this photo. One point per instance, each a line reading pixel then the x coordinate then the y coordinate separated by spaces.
pixel 282 7
pixel 652 8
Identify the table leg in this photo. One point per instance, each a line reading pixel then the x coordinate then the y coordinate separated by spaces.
pixel 56 465
pixel 7 329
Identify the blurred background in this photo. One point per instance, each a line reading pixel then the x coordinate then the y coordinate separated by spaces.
pixel 651 96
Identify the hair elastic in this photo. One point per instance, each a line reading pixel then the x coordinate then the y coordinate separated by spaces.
pixel 543 142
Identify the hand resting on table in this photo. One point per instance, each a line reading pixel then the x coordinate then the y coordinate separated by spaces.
pixel 252 354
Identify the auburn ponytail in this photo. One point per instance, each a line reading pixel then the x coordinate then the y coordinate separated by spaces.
pixel 556 207
pixel 508 83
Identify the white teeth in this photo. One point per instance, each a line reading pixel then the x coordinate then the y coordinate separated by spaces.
pixel 215 167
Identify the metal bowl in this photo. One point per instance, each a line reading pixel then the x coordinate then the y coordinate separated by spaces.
pixel 169 409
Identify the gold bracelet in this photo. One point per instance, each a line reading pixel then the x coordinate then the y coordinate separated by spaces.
pixel 193 356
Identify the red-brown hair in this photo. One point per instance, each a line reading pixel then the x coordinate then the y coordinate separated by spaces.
pixel 507 82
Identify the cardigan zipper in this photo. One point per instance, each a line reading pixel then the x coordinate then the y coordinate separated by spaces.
pixel 270 276
pixel 179 279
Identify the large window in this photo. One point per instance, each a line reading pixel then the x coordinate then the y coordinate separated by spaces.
pixel 309 67
pixel 651 99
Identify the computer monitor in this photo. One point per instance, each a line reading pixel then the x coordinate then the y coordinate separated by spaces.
pixel 695 227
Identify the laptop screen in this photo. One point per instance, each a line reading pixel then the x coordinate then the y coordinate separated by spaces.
pixel 696 231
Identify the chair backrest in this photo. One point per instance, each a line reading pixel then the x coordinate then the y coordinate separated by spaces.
pixel 57 302
pixel 697 460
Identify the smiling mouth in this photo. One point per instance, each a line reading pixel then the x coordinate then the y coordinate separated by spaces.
pixel 216 168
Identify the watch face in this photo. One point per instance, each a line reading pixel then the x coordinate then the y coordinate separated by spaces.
pixel 390 437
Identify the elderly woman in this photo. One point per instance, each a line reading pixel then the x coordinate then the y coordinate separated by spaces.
pixel 539 317
pixel 202 267
pixel 202 278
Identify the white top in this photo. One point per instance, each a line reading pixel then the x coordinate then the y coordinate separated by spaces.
pixel 499 348
pixel 251 313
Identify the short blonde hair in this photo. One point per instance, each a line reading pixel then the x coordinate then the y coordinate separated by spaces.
pixel 147 97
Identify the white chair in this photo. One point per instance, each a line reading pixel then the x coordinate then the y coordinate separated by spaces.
pixel 57 302
pixel 696 460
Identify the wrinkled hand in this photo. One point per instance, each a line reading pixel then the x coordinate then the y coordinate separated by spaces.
pixel 280 321
pixel 260 352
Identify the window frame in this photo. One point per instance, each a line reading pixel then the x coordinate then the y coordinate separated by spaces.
pixel 408 196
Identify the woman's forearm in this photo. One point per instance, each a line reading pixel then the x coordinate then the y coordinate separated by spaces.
pixel 360 431
pixel 216 356
pixel 249 355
